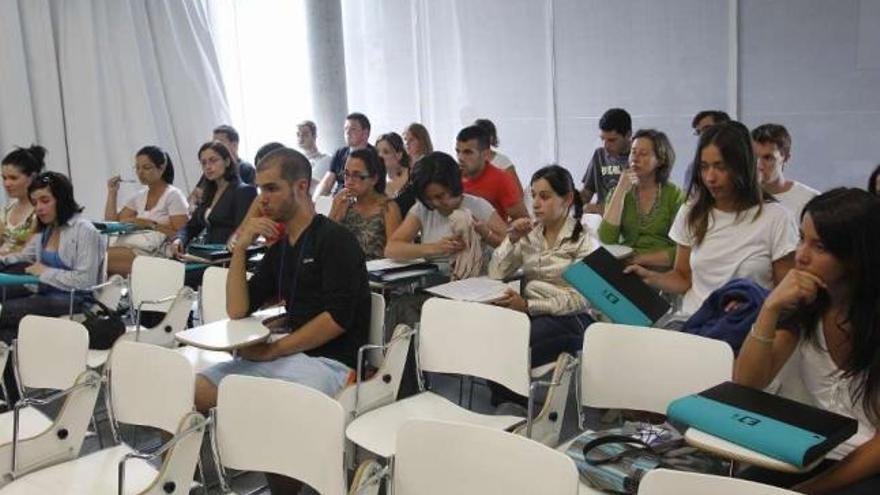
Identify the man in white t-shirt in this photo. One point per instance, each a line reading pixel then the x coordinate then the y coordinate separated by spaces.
pixel 307 141
pixel 772 145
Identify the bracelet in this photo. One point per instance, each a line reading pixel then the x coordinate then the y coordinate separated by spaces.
pixel 763 340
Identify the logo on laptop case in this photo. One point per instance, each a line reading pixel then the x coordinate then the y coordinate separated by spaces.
pixel 746 420
pixel 610 296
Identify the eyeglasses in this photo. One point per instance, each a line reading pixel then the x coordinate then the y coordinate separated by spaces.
pixel 355 175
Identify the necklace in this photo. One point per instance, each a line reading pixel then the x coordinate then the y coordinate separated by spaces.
pixel 647 218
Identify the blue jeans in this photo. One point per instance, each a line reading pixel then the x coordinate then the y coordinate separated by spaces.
pixel 320 373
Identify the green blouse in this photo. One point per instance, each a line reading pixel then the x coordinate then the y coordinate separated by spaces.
pixel 645 233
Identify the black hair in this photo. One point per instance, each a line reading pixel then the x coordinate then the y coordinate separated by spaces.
pixel 474 132
pixel 488 126
pixel 872 182
pixel 562 183
pixel 228 131
pixel 375 166
pixel 159 158
pixel 361 118
pixel 396 142
pixel 29 161
pixel 734 142
pixel 662 150
pixel 437 168
pixel 847 221
pixel 718 117
pixel 776 134
pixel 294 165
pixel 62 190
pixel 265 150
pixel 616 119
pixel 230 172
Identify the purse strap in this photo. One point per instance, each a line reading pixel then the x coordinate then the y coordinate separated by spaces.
pixel 637 447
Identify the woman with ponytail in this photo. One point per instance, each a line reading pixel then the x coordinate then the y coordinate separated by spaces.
pixel 17 220
pixel 544 248
pixel 160 209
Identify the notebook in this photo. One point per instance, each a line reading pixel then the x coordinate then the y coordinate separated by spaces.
pixel 621 297
pixel 385 270
pixel 771 425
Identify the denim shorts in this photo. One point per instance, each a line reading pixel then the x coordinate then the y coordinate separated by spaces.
pixel 320 373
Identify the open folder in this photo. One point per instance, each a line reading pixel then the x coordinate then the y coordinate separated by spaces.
pixel 621 297
pixel 771 425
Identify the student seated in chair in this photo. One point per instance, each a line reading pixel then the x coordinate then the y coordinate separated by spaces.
pixel 825 311
pixel 450 221
pixel 319 271
pixel 544 248
pixel 67 252
pixel 728 228
pixel 644 202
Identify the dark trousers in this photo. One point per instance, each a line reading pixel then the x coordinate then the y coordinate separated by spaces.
pixel 869 486
pixel 13 310
pixel 549 336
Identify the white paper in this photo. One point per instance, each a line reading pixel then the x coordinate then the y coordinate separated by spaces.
pixel 387 263
pixel 477 289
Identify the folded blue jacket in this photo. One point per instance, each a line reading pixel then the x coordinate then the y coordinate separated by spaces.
pixel 712 321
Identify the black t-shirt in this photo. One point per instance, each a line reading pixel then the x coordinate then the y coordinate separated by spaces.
pixel 337 164
pixel 324 271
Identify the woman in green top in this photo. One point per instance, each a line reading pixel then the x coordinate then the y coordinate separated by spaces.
pixel 17 219
pixel 644 203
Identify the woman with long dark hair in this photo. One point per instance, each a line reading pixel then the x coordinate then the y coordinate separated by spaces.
pixel 728 228
pixel 827 312
pixel 391 150
pixel 225 200
pixel 544 248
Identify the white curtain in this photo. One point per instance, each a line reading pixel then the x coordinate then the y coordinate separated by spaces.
pixel 264 61
pixel 93 81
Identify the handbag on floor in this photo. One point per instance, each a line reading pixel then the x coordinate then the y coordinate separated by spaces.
pixel 615 460
pixel 104 325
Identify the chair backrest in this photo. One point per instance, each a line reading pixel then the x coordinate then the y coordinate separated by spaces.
pixel 155 278
pixel 150 385
pixel 475 339
pixel 377 328
pixel 323 204
pixel 212 295
pixel 50 352
pixel 283 428
pixel 435 457
pixel 665 481
pixel 629 367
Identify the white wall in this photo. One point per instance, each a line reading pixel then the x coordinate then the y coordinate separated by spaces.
pixel 545 71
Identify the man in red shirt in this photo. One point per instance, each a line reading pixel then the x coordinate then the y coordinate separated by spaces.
pixel 481 178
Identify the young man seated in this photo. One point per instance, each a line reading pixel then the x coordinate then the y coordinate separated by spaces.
pixel 318 271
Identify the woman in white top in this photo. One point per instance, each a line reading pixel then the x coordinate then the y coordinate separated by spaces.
pixel 437 184
pixel 17 223
pixel 544 248
pixel 825 311
pixel 728 228
pixel 160 208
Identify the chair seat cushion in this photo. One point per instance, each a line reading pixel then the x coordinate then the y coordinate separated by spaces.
pixel 32 423
pixel 376 430
pixel 93 474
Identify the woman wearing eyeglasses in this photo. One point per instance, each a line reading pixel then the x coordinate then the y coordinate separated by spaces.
pixel 66 253
pixel 361 205
pixel 160 208
pixel 225 200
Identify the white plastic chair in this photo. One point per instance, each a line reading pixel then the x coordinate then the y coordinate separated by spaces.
pixel 377 328
pixel 279 427
pixel 149 386
pixel 666 481
pixel 454 337
pixel 212 295
pixel 629 367
pixel 50 353
pixel 436 457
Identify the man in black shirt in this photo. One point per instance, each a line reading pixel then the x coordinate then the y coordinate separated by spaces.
pixel 357 136
pixel 317 269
